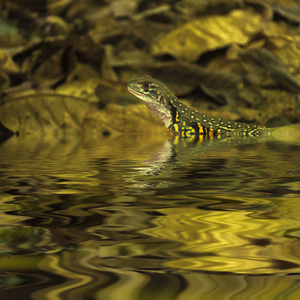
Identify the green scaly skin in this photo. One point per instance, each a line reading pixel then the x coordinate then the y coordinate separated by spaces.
pixel 182 119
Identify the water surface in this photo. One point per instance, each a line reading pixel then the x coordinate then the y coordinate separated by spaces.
pixel 136 218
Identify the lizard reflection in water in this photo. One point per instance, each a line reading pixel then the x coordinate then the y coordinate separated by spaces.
pixel 183 120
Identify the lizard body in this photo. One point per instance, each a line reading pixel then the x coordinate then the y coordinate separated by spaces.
pixel 181 119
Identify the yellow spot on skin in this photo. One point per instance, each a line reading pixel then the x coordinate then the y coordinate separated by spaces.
pixel 182 133
pixel 183 124
pixel 211 133
pixel 177 119
pixel 201 131
pixel 192 129
pixel 175 128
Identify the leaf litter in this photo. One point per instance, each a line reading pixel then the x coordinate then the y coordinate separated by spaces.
pixel 65 64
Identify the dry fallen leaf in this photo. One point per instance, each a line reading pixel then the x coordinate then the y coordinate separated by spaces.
pixel 267 70
pixel 6 63
pixel 288 9
pixel 31 112
pixel 47 112
pixel 209 33
pixel 86 51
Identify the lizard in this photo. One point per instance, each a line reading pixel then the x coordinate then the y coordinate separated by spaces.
pixel 183 120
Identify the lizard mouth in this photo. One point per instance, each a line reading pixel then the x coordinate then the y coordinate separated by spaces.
pixel 136 93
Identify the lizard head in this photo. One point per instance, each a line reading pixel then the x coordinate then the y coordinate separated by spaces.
pixel 156 96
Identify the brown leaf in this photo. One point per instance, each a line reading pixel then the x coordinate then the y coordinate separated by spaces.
pixel 54 26
pixel 183 78
pixel 4 81
pixel 162 13
pixel 51 6
pixel 289 54
pixel 7 64
pixel 280 103
pixel 121 8
pixel 261 6
pixel 288 9
pixel 191 8
pixel 99 91
pixel 268 71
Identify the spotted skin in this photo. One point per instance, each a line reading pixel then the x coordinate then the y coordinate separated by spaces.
pixel 181 119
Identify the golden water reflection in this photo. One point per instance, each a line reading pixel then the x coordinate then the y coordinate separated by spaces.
pixel 110 219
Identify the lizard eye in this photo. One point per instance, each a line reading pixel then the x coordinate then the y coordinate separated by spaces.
pixel 146 86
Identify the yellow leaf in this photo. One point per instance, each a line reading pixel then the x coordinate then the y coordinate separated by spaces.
pixel 116 120
pixel 191 40
pixel 50 113
pixel 290 55
pixel 31 113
